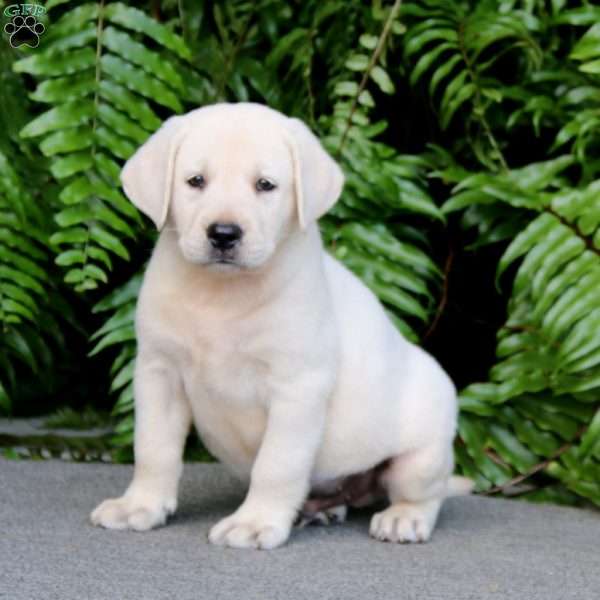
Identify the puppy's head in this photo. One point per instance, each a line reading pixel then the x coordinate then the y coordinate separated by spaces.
pixel 233 180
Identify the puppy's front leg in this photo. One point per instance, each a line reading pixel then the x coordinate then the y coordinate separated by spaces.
pixel 162 421
pixel 280 476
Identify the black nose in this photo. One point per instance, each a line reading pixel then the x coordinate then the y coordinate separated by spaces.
pixel 224 236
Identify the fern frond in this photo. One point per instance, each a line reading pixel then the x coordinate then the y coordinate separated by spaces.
pixel 118 332
pixel 390 259
pixel 106 70
pixel 28 298
pixel 549 347
pixel 587 50
pixel 456 48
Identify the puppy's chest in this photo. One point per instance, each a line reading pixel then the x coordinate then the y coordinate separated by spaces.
pixel 226 380
pixel 225 364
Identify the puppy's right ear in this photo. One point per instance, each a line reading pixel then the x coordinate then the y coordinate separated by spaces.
pixel 147 176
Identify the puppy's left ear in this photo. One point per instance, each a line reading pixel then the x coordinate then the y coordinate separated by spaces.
pixel 318 179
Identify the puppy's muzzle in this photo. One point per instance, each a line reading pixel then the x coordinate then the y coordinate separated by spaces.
pixel 224 236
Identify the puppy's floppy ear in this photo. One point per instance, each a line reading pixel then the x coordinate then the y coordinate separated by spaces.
pixel 318 179
pixel 147 176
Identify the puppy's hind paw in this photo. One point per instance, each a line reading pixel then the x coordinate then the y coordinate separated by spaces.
pixel 405 522
pixel 329 516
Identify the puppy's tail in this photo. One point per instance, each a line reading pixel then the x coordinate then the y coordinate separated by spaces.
pixel 459 486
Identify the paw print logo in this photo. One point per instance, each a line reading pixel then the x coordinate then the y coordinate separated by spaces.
pixel 24 31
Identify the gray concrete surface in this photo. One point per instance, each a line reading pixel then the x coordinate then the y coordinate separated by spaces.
pixel 482 549
pixel 36 426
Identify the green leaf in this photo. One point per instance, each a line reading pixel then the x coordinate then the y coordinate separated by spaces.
pixel 71 165
pixel 591 67
pixel 443 71
pixel 357 62
pixel 136 20
pixel 121 124
pixel 123 45
pixel 20 347
pixel 117 336
pixel 133 105
pixel 140 82
pixel 476 438
pixel 67 42
pixel 511 449
pixel 59 90
pixel 114 143
pixel 122 316
pixel 121 295
pixel 74 215
pixel 368 41
pixel 427 60
pixel 108 241
pixel 416 43
pixel 21 279
pixel 382 79
pixel 589 45
pixel 60 117
pixel 95 272
pixel 72 21
pixel 124 376
pixel 70 257
pixel 100 255
pixel 74 276
pixel 379 239
pixel 464 94
pixel 74 235
pixel 51 66
pixel 538 229
pixel 286 45
pixel 387 273
pixel 346 88
pixel 590 441
pixel 5 403
pixel 66 141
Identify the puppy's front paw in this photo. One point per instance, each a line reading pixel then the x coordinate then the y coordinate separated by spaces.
pixel 404 523
pixel 242 530
pixel 131 513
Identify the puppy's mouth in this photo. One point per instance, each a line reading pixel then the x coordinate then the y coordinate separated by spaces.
pixel 215 259
pixel 223 260
pixel 223 257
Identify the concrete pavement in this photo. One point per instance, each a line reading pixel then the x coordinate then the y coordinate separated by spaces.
pixel 482 549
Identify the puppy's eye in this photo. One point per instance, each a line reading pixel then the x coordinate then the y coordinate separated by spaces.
pixel 197 181
pixel 264 185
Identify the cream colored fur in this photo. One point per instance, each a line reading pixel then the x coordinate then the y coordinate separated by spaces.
pixel 285 362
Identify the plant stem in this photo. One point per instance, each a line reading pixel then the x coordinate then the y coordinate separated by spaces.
pixel 98 76
pixel 308 80
pixel 233 55
pixel 536 468
pixel 444 297
pixel 479 109
pixel 372 62
pixel 573 226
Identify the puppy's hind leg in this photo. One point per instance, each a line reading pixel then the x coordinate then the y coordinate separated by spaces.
pixel 416 484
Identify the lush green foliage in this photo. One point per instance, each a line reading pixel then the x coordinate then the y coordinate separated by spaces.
pixel 462 128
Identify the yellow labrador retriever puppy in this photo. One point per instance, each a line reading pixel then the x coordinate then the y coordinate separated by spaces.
pixel 287 364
